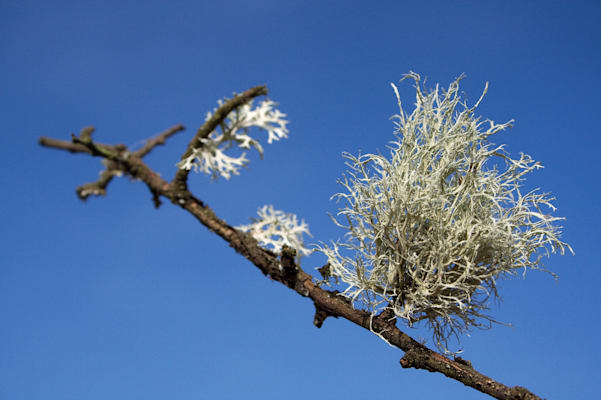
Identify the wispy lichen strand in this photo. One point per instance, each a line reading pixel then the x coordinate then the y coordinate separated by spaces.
pixel 211 157
pixel 432 228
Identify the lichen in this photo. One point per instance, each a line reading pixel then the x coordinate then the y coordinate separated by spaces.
pixel 432 228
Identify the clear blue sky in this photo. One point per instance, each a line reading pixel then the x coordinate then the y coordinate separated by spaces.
pixel 113 299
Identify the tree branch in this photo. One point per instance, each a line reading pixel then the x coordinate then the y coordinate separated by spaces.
pixel 109 152
pixel 63 145
pixel 327 303
pixel 98 188
pixel 158 140
pixel 212 123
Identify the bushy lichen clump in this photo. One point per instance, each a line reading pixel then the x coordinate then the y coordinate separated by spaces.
pixel 432 227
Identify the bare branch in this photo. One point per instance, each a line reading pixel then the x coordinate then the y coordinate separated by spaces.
pixel 97 188
pixel 96 149
pixel 158 140
pixel 63 145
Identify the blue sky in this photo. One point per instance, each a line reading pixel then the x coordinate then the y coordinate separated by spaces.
pixel 114 299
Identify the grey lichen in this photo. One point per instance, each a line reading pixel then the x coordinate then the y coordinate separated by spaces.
pixel 432 228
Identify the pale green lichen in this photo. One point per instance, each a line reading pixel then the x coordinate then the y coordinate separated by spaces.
pixel 211 157
pixel 432 228
pixel 274 229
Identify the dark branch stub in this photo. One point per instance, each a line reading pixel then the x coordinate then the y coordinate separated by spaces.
pixel 156 198
pixel 320 316
pixel 287 256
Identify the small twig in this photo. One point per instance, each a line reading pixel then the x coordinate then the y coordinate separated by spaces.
pixel 110 153
pixel 63 145
pixel 156 198
pixel 85 135
pixel 97 188
pixel 320 316
pixel 158 140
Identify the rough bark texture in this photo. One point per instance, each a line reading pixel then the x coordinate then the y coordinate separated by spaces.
pixel 119 160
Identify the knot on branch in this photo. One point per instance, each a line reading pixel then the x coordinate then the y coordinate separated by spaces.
pixel 521 393
pixel 326 274
pixel 463 361
pixel 289 268
pixel 179 195
pixel 321 313
pixel 416 358
pixel 388 316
